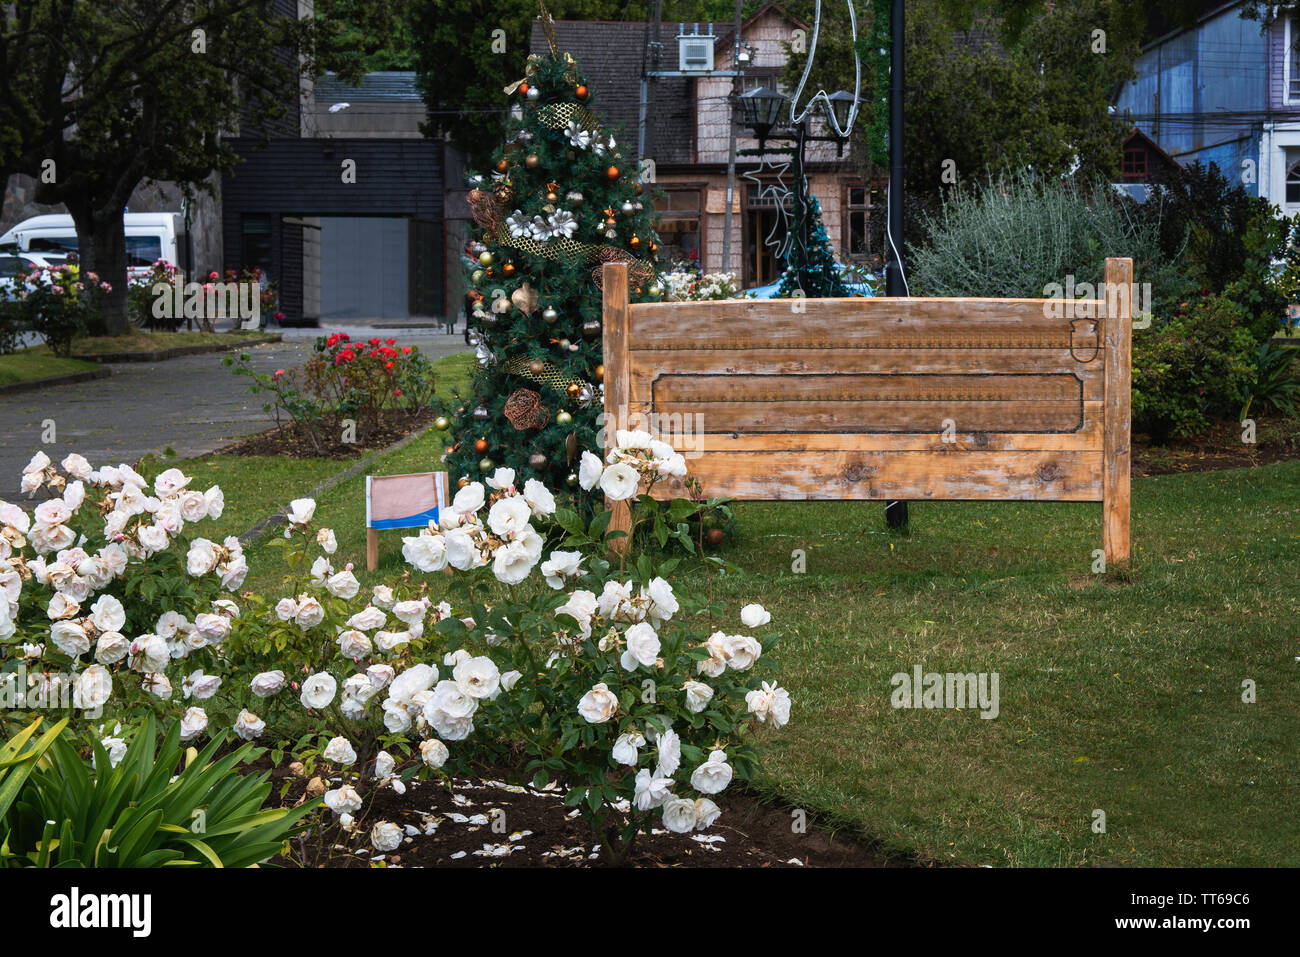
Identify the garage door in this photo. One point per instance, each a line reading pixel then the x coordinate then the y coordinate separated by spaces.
pixel 364 268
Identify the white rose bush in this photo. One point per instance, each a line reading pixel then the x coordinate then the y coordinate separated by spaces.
pixel 519 637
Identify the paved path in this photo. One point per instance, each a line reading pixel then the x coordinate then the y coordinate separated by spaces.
pixel 192 404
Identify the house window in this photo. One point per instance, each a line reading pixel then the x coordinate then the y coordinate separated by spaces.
pixel 1292 59
pixel 1134 163
pixel 758 81
pixel 679 225
pixel 857 222
pixel 1293 184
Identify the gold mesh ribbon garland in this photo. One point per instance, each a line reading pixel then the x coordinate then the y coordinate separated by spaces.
pixel 550 376
pixel 524 409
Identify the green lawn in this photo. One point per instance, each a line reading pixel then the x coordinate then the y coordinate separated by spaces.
pixel 1119 693
pixel 25 366
pixel 146 340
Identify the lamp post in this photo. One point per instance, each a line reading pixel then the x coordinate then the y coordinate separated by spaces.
pixel 896 516
pixel 760 111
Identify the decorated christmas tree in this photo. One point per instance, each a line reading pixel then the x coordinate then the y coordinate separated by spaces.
pixel 558 203
pixel 811 270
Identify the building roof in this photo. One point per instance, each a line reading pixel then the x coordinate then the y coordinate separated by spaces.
pixel 379 87
pixel 609 54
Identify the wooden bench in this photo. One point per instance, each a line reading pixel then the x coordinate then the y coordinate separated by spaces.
pixel 894 399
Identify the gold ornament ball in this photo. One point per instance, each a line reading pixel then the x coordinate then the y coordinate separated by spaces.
pixel 563 418
pixel 655 290
pixel 442 423
pixel 574 390
pixel 537 461
pixel 531 161
pixel 477 277
pixel 485 259
pixel 627 208
pixel 537 367
pixel 485 465
pixel 600 373
pixel 552 197
pixel 550 315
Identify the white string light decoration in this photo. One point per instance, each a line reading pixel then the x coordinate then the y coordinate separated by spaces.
pixel 822 94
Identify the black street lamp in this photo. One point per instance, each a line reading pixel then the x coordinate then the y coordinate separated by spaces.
pixel 760 111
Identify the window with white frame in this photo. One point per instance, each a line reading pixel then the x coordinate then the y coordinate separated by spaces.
pixel 1293 184
pixel 1292 59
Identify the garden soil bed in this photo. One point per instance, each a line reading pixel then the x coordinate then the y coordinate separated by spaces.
pixel 454 828
pixel 1220 447
pixel 294 441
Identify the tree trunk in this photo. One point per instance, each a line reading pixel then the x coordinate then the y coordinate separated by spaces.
pixel 101 242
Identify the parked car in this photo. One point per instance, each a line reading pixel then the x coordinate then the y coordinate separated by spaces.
pixel 12 265
pixel 149 237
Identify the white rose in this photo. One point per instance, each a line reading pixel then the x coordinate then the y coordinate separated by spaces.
pixel 769 703
pixel 649 791
pixel 200 686
pixel 310 613
pixel 462 552
pixel 201 558
pixel 300 511
pixel 149 653
pixel 539 498
pixel 391 640
pixel 52 512
pixel 589 469
pixel 754 615
pixel 718 647
pixel 501 479
pixel 354 644
pixel 468 499
pixel 380 676
pixel 411 612
pixel 158 684
pixel 70 638
pixel 396 718
pixel 94 687
pixel 213 627
pixel 383 596
pixel 679 815
pixel 77 466
pixel 599 704
pixel 448 698
pixel 326 539
pixel 512 563
pixel 581 606
pixel 267 683
pixel 318 690
pixel 286 609
pixel 477 677
pixel 713 775
pixel 368 619
pixel 321 569
pixel 561 565
pixel 111 648
pixel 342 800
pixel 626 747
pixel 619 482
pixel 428 553
pixel 384 765
pixel 170 482
pixel 509 517
pixel 193 724
pixel 509 679
pixel 706 812
pixel 386 836
pixel 669 746
pixel 698 696
pixel 193 506
pixel 116 749
pixel 642 646
pixel 411 682
pixel 216 501
pixel 742 652
pixel 343 585
pixel 339 751
pixel 434 753
pixel 61 606
pixel 663 602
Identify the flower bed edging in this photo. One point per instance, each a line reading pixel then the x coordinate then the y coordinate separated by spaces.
pixel 158 355
pixel 66 379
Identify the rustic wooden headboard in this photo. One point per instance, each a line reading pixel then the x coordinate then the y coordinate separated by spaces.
pixel 879 398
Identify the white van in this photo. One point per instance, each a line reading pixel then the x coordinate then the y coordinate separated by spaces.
pixel 149 237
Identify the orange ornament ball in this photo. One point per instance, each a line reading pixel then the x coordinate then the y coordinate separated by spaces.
pixel 508 269
pixel 635 242
pixel 612 173
pixel 523 89
pixel 580 92
pixel 502 166
pixel 480 446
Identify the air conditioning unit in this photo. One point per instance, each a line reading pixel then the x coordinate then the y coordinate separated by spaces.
pixel 695 53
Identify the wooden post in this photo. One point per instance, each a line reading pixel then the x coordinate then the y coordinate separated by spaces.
pixel 614 283
pixel 372 549
pixel 1117 454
